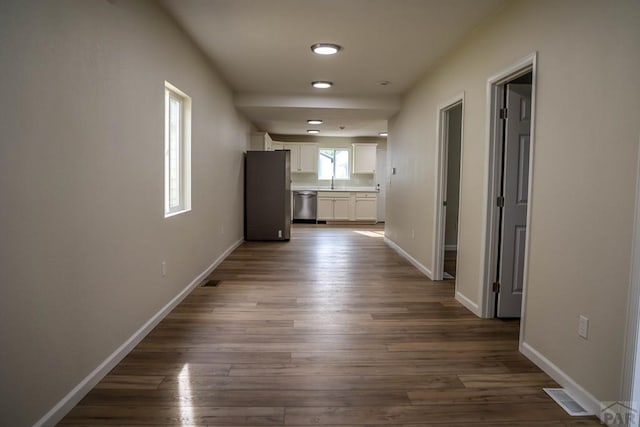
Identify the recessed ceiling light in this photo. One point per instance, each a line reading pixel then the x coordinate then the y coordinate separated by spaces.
pixel 313 131
pixel 326 48
pixel 314 121
pixel 322 84
pixel 383 133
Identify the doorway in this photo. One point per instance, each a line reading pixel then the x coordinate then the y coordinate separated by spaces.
pixel 631 367
pixel 634 370
pixel 511 104
pixel 447 203
pixel 381 179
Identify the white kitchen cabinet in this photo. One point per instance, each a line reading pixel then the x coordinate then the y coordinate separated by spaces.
pixel 261 141
pixel 304 157
pixel 308 158
pixel 333 206
pixel 341 209
pixel 346 206
pixel 295 155
pixel 364 158
pixel 366 207
pixel 325 208
pixel 277 146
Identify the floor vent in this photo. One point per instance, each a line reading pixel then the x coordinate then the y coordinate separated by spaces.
pixel 566 402
pixel 211 283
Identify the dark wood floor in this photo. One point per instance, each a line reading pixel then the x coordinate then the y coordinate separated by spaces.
pixel 331 328
pixel 450 262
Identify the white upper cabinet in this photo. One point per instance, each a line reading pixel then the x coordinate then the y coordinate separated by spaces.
pixel 308 158
pixel 295 156
pixel 364 158
pixel 304 157
pixel 261 141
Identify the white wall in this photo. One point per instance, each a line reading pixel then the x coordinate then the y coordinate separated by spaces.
pixel 81 179
pixel 586 134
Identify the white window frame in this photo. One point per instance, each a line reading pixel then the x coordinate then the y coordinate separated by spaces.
pixel 334 149
pixel 183 174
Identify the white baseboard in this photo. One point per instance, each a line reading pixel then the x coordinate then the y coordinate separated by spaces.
pixel 573 389
pixel 424 270
pixel 72 398
pixel 450 247
pixel 470 305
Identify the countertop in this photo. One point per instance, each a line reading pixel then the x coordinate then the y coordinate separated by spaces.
pixel 316 188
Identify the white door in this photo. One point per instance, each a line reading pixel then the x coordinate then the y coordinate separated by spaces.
pixel 381 179
pixel 515 191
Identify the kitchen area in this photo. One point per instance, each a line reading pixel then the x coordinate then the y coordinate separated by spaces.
pixel 332 180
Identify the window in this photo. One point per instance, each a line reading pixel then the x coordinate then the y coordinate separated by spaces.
pixel 177 151
pixel 333 163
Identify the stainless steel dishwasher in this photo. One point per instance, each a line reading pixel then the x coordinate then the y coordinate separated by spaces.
pixel 304 206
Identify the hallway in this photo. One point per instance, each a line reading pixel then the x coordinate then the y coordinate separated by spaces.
pixel 331 328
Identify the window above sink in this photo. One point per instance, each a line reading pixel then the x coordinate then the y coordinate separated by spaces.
pixel 333 163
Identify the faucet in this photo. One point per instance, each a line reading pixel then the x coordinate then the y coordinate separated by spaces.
pixel 332 182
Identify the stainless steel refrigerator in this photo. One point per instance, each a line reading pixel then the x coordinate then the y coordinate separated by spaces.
pixel 267 195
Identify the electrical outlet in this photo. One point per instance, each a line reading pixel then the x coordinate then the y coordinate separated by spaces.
pixel 583 327
pixel 413 234
pixel 163 268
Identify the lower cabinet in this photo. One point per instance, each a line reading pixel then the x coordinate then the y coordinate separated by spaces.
pixel 333 205
pixel 341 208
pixel 366 209
pixel 325 208
pixel 346 206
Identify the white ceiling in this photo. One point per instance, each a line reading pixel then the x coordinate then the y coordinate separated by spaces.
pixel 262 49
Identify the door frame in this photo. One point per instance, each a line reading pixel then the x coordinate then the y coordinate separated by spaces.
pixel 631 368
pixel 439 221
pixel 495 87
